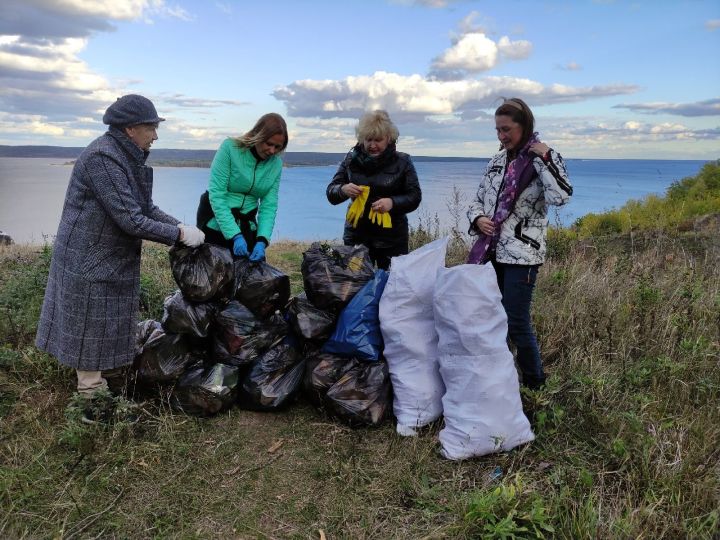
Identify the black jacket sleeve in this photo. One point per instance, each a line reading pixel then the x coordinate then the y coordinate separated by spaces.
pixel 334 190
pixel 410 198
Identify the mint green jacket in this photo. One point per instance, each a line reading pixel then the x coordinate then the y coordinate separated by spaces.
pixel 238 180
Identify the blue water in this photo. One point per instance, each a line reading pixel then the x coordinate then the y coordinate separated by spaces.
pixel 32 192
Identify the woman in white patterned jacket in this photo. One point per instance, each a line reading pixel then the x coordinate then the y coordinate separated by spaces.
pixel 510 218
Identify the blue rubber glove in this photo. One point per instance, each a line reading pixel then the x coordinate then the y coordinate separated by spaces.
pixel 258 253
pixel 239 246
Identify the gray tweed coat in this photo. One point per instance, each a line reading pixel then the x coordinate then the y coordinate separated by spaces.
pixel 91 305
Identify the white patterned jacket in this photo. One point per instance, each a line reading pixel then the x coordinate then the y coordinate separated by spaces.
pixel 523 234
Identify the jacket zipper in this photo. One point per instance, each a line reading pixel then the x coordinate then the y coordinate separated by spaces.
pixel 252 185
pixel 502 185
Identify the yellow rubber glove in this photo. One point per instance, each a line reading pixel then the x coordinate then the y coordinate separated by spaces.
pixel 382 220
pixel 356 209
pixel 374 217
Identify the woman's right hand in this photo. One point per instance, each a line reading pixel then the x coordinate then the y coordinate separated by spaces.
pixel 485 225
pixel 240 247
pixel 190 235
pixel 351 190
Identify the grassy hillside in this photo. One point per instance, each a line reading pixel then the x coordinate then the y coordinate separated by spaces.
pixel 685 202
pixel 628 427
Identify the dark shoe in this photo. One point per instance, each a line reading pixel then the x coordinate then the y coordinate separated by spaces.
pixel 126 411
pixel 104 408
pixel 533 383
pixel 97 408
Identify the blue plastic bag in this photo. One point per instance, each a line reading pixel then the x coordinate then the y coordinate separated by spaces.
pixel 358 328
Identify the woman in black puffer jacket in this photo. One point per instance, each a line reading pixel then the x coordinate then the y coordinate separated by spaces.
pixel 393 189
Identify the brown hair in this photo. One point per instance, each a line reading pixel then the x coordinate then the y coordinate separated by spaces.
pixel 267 126
pixel 521 114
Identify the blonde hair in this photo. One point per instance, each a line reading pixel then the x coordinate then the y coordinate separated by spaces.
pixel 375 125
pixel 267 126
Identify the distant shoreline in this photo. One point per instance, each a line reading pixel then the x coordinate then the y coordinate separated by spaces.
pixel 167 157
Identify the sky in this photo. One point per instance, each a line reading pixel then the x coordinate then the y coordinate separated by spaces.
pixel 604 78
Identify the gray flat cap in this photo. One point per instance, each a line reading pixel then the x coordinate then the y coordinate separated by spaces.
pixel 131 110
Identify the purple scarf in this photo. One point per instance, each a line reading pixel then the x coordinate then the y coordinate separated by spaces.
pixel 517 177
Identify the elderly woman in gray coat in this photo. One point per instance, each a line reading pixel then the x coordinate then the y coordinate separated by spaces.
pixel 89 315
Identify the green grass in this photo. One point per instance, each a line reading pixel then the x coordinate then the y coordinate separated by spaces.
pixel 628 427
pixel 686 202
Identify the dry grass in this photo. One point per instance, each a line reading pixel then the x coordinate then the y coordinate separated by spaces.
pixel 628 429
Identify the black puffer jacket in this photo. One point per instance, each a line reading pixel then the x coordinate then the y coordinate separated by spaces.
pixel 390 175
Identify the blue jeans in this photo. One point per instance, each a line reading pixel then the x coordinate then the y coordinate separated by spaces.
pixel 516 285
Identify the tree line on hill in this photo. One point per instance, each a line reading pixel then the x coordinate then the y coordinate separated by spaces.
pixel 197 158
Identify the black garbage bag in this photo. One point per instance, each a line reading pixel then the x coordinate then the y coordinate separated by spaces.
pixel 183 317
pixel 144 329
pixel 274 329
pixel 273 380
pixel 321 372
pixel 239 337
pixel 206 391
pixel 233 335
pixel 204 272
pixel 362 395
pixel 308 321
pixel 333 274
pixel 262 288
pixel 162 357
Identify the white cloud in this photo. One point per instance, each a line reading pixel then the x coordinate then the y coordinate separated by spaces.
pixel 630 131
pixel 467 24
pixel 416 97
pixel 708 107
pixel 570 66
pixel 712 24
pixel 40 46
pixel 579 137
pixel 26 124
pixel 667 127
pixel 514 50
pixel 472 53
pixel 199 103
pixel 595 137
pixel 127 10
pixel 328 123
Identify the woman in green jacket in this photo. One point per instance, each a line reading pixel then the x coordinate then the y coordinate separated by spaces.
pixel 238 209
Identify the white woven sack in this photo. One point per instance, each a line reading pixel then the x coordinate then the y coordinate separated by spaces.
pixel 482 407
pixel 407 324
pixel 469 315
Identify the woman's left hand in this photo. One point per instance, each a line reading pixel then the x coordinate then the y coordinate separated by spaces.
pixel 383 205
pixel 539 148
